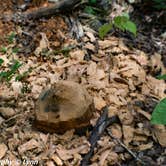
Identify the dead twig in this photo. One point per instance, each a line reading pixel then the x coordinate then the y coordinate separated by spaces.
pixel 125 147
pixel 103 122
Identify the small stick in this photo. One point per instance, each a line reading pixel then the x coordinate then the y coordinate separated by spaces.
pixel 125 147
pixel 102 123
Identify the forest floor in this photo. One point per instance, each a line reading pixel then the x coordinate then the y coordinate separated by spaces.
pixel 117 71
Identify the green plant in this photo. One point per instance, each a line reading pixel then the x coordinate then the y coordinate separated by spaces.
pixel 159 113
pixel 1 61
pixel 7 75
pixel 89 10
pixel 121 22
pixel 161 77
pixel 104 29
pixel 20 77
pixel 15 50
pixel 11 37
pixel 3 50
pixel 159 4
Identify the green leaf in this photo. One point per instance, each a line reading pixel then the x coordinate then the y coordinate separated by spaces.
pixel 159 113
pixel 126 15
pixel 131 27
pixel 92 1
pixel 11 37
pixel 161 77
pixel 16 65
pixel 4 50
pixel 89 10
pixel 15 50
pixel 24 75
pixel 104 29
pixel 119 22
pixel 123 23
pixel 3 74
pixel 1 61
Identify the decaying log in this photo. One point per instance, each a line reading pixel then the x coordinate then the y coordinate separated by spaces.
pixel 103 122
pixel 61 6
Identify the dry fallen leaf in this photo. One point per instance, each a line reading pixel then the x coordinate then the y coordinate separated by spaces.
pixel 56 159
pixel 7 112
pixel 128 134
pixel 91 36
pixel 103 157
pixel 68 154
pixel 17 87
pixel 116 131
pixel 77 55
pixel 112 42
pixel 44 44
pixel 90 47
pixel 145 146
pixel 112 158
pixel 99 102
pixel 50 163
pixel 154 86
pixel 160 133
pixel 3 150
pixel 31 144
pixel 157 64
pixel 125 115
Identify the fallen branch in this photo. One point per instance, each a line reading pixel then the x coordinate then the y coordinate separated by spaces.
pixel 61 6
pixel 103 122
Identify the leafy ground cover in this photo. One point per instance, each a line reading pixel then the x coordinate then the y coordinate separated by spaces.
pixel 119 71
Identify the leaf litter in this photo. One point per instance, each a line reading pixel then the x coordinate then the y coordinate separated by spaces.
pixel 120 83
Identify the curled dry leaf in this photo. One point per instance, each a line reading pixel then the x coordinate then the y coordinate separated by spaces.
pixel 90 47
pixel 44 44
pixel 122 46
pixel 112 42
pixel 128 134
pixel 112 158
pixel 99 102
pixel 116 131
pixel 3 150
pixel 144 113
pixel 125 116
pixel 7 112
pixel 160 133
pixel 129 68
pixel 50 163
pixel 140 57
pixel 91 70
pixel 1 120
pixel 112 111
pixel 56 159
pixel 157 64
pixel 140 138
pixel 31 144
pixel 145 146
pixel 91 36
pixel 17 87
pixel 103 157
pixel 154 86
pixel 68 154
pixel 77 55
